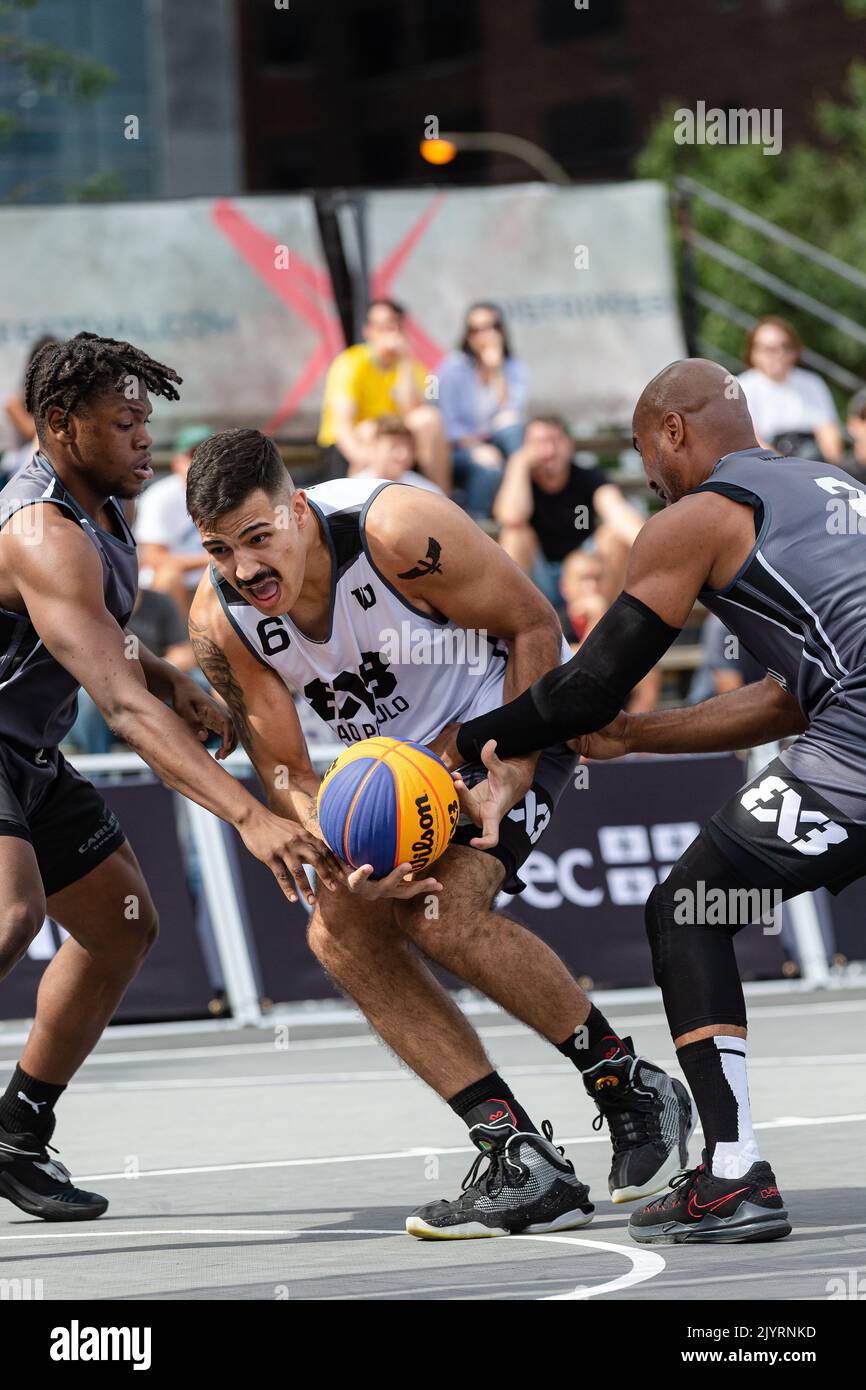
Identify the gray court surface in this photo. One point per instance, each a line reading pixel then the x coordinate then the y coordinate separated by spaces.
pixel 281 1163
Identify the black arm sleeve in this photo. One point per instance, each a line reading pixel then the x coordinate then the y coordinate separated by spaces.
pixel 584 694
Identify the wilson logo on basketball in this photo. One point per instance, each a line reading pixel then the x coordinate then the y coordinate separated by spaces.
pixel 422 846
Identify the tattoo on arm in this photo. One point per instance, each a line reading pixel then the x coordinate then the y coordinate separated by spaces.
pixel 217 668
pixel 429 565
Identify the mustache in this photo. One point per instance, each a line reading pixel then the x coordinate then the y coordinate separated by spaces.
pixel 256 579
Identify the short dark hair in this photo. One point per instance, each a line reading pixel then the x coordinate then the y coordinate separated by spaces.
pixel 554 420
pixel 226 468
pixel 391 304
pixel 71 374
pixel 392 425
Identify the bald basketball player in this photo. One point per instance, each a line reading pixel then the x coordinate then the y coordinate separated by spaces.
pixel 771 546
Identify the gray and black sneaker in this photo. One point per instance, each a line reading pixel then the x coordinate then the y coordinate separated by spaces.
pixel 650 1118
pixel 528 1188
pixel 39 1184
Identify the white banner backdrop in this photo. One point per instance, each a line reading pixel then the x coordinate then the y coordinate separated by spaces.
pixel 233 294
pixel 584 276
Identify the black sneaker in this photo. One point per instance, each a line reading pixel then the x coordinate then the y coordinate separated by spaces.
pixel 529 1188
pixel 39 1184
pixel 650 1118
pixel 702 1207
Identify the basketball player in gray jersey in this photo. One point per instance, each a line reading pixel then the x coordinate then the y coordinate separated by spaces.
pixel 68 579
pixel 774 546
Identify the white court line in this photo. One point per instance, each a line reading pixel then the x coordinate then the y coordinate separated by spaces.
pixel 421 1151
pixel 645 1264
pixel 333 1078
pixel 628 1022
pixel 397 1074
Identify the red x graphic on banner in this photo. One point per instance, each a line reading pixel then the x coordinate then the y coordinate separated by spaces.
pixel 309 292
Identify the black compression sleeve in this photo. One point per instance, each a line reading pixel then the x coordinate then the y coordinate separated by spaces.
pixel 584 694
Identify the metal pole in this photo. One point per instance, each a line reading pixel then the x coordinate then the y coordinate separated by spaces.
pixel 683 213
pixel 501 143
pixel 225 914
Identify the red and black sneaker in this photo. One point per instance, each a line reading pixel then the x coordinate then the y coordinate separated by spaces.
pixel 703 1208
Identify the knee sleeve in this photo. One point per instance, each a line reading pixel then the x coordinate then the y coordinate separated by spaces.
pixel 691 920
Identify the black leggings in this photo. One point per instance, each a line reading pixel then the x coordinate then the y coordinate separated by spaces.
pixel 692 938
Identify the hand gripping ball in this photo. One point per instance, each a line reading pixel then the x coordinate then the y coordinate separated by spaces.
pixel 385 802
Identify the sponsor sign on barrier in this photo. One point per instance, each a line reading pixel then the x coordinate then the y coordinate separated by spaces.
pixel 172 982
pixel 587 881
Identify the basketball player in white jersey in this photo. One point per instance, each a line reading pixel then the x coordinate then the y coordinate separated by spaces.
pixel 332 593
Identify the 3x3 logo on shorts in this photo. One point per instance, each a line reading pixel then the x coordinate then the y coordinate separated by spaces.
pixel 790 817
pixel 535 814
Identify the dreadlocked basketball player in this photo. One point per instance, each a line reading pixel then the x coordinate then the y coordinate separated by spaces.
pixel 311 591
pixel 68 580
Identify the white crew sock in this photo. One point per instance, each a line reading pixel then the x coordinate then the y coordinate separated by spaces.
pixel 733 1158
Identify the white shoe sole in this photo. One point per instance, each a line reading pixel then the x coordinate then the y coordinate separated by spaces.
pixel 474 1230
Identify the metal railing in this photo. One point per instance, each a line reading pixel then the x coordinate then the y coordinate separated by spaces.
pixel 689 192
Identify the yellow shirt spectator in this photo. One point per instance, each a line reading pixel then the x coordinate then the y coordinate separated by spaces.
pixel 355 374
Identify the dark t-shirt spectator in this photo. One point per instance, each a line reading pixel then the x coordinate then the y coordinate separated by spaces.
pixel 557 523
pixel 157 622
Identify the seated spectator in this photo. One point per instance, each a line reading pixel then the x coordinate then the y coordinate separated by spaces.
pixel 374 378
pixel 170 549
pixel 22 422
pixel 792 409
pixel 392 455
pixel 585 585
pixel 856 426
pixel 547 507
pixel 726 664
pixel 157 622
pixel 482 396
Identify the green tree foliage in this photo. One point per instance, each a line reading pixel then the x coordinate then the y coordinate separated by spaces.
pixel 50 68
pixel 814 191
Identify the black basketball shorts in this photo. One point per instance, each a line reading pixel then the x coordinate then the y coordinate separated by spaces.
pixel 63 816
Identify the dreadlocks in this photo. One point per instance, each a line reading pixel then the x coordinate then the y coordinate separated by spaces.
pixel 68 374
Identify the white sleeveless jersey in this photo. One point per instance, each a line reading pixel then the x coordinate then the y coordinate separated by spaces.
pixel 385 667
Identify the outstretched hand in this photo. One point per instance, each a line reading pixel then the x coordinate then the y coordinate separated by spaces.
pixel 489 800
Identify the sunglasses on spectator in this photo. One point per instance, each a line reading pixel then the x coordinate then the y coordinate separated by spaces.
pixel 483 327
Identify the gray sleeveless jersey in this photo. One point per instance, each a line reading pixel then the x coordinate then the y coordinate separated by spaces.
pixel 38 697
pixel 798 604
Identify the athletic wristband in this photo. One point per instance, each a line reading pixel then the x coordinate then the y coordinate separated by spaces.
pixel 582 695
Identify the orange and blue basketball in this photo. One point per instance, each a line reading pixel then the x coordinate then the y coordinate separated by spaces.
pixel 385 802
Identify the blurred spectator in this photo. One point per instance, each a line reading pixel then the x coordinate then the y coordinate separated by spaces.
pixel 170 549
pixel 22 423
pixel 392 455
pixel 792 409
pixel 157 622
pixel 374 378
pixel 585 585
pixel 856 425
pixel 482 396
pixel 547 507
pixel 726 664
